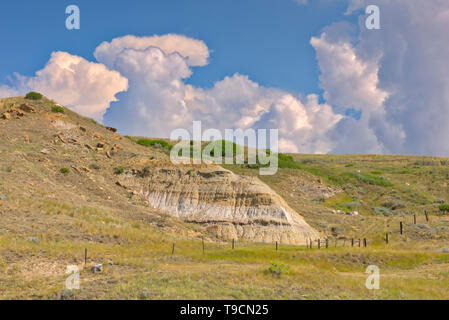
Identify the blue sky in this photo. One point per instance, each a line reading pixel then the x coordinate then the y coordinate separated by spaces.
pixel 314 71
pixel 264 39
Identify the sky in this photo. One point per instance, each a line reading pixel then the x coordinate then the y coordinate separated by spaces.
pixel 308 68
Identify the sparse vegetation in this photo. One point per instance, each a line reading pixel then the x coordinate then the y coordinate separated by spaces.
pixel 57 109
pixel 33 95
pixel 278 269
pixel 65 171
pixel 119 170
pixel 444 208
pixel 94 166
pixel 155 143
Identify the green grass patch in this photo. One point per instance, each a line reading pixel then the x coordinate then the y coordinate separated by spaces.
pixel 155 143
pixel 119 170
pixel 57 109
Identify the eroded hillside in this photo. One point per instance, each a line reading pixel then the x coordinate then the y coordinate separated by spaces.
pixel 51 151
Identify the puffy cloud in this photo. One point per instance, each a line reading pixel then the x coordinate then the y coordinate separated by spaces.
pixel 195 51
pixel 303 125
pixel 397 76
pixel 86 87
pixel 348 80
pixel 155 102
pixel 159 101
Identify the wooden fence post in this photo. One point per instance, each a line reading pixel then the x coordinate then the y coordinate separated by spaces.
pixel 400 227
pixel 319 243
pixel 352 242
pixel 414 218
pixel 276 246
pixel 233 244
pixel 364 242
pixel 202 240
pixel 327 243
pixel 427 216
pixel 85 257
pixel 359 243
pixel 386 238
pixel 173 249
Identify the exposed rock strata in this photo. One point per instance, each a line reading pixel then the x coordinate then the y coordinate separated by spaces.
pixel 232 206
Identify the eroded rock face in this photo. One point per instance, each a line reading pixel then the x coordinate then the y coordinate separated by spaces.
pixel 232 206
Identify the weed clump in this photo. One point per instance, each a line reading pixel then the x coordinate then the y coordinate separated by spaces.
pixel 277 269
pixel 119 170
pixel 64 170
pixel 57 109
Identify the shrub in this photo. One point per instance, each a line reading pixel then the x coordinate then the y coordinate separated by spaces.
pixel 65 170
pixel 119 170
pixel 349 165
pixel 351 205
pixel 145 172
pixel 376 172
pixel 57 109
pixel 157 143
pixel 223 145
pixel 393 205
pixel 382 211
pixel 444 207
pixel 277 269
pixel 369 179
pixel 33 95
pixel 286 161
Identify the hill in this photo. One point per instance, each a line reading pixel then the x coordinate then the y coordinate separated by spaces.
pixel 68 183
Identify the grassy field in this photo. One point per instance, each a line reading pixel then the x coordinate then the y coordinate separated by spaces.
pixel 138 262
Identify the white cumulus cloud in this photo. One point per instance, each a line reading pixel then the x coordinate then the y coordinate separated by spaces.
pixel 86 87
pixel 159 101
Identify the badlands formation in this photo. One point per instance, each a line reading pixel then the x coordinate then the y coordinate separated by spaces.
pixel 231 206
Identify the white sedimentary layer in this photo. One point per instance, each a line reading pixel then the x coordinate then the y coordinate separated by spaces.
pixel 232 206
